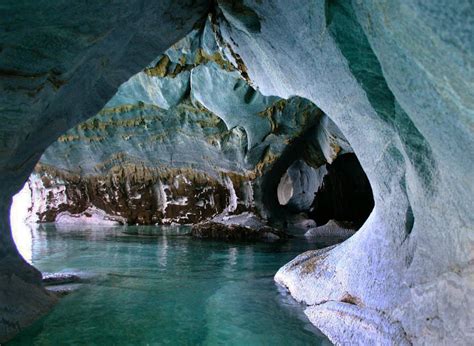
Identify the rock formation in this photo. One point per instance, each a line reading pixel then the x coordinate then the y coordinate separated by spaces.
pixel 60 63
pixel 182 141
pixel 299 184
pixel 333 232
pixel 305 80
pixel 396 78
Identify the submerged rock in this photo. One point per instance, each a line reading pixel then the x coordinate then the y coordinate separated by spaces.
pixel 50 279
pixel 64 290
pixel 62 284
pixel 246 219
pixel 300 224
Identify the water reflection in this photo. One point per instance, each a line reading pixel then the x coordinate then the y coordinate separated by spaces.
pixel 163 251
pixel 157 285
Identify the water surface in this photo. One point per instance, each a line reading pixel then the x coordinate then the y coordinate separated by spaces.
pixel 153 285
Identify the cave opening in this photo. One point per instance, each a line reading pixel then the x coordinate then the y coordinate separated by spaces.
pixel 305 180
pixel 345 194
pixel 187 141
pixel 215 169
pixel 332 196
pixel 188 146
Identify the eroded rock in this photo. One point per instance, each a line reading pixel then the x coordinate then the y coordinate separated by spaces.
pixel 168 147
pixel 233 232
pixel 298 186
pixel 59 65
pixel 50 279
pixel 130 195
pixel 393 76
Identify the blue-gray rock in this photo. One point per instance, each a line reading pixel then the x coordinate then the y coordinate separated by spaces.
pixel 180 142
pixel 396 78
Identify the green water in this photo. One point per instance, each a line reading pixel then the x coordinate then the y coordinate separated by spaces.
pixel 158 286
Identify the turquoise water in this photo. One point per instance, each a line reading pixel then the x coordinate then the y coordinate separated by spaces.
pixel 152 285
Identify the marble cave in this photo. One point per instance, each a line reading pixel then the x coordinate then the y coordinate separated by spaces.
pixel 237 172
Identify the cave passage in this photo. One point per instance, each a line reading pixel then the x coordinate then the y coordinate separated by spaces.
pixel 123 214
pixel 236 172
pixel 189 140
pixel 345 194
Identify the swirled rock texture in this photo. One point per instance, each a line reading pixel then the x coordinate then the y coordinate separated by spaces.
pixel 395 77
pixel 298 185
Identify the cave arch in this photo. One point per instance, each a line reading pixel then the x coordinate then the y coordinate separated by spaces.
pixel 410 216
pixel 346 194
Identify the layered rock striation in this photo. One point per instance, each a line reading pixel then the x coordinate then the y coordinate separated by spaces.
pixel 184 140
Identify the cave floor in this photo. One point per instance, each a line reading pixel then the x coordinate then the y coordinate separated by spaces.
pixel 155 285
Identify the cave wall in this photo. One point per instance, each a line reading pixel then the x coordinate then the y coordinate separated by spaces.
pixel 189 115
pixel 395 77
pixel 59 64
pixel 132 195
